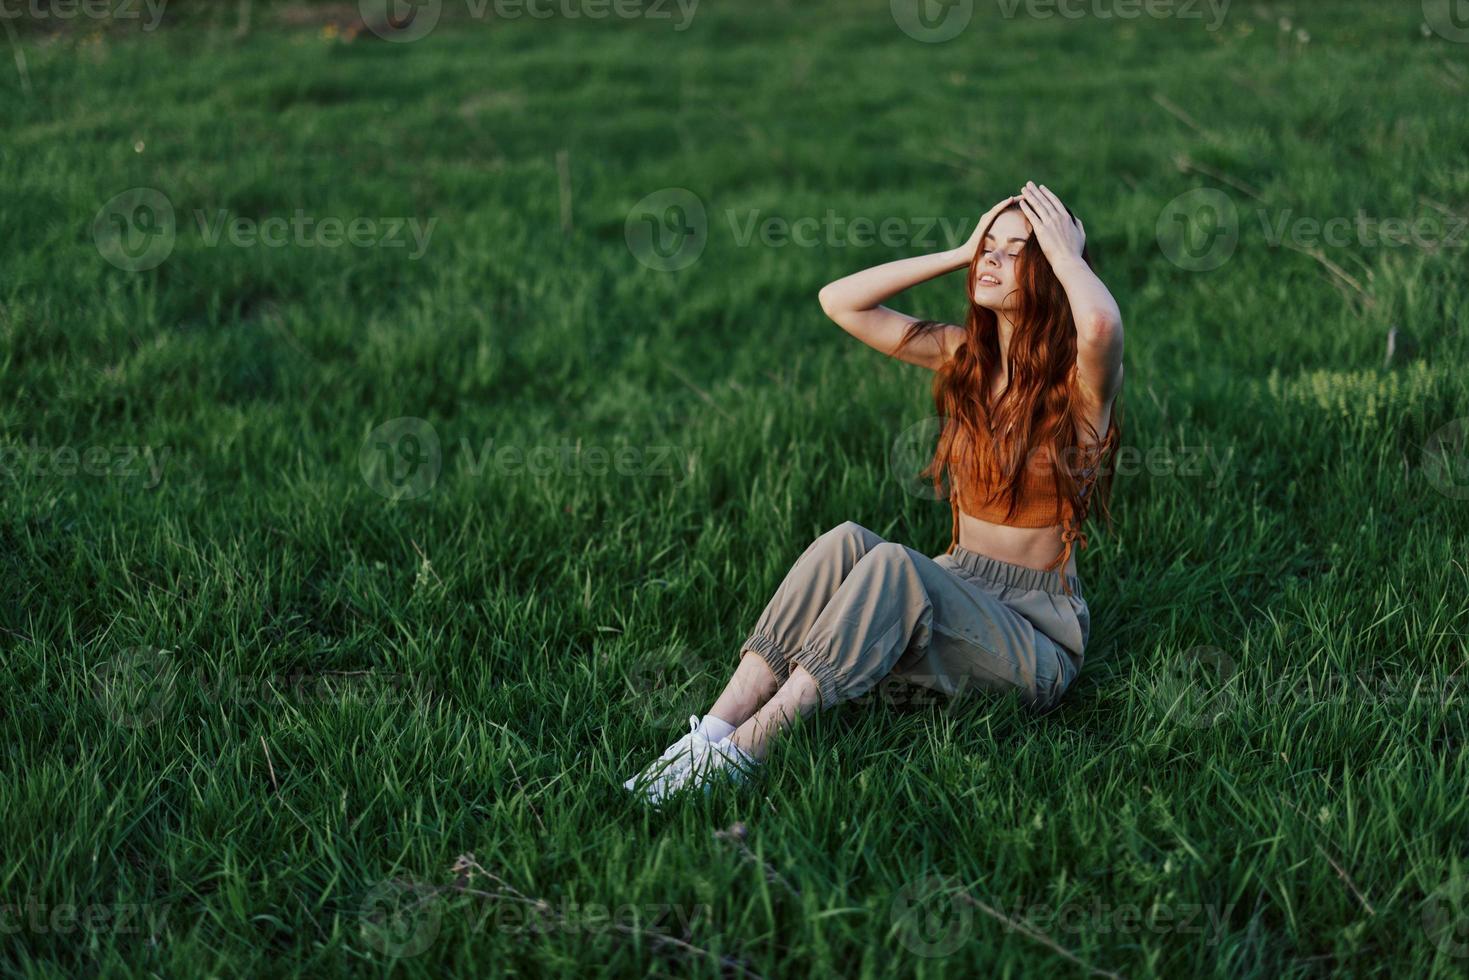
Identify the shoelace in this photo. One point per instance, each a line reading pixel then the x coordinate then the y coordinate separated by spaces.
pixel 681 746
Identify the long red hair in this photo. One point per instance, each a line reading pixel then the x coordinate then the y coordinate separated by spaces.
pixel 1040 408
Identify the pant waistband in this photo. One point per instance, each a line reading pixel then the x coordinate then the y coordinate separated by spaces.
pixel 1013 576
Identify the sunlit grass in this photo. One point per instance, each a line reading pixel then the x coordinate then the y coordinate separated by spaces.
pixel 252 702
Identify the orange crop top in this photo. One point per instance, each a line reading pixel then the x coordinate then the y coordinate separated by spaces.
pixel 1039 504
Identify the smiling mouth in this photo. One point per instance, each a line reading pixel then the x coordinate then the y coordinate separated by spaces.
pixel 987 281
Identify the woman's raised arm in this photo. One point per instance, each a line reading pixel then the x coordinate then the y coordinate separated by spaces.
pixel 1098 320
pixel 854 302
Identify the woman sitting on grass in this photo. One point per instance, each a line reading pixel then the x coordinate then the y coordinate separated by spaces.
pixel 1031 378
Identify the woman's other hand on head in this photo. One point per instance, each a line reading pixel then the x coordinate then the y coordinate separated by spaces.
pixel 1059 235
pixel 969 247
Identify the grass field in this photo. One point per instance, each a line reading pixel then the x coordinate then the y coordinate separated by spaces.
pixel 327 566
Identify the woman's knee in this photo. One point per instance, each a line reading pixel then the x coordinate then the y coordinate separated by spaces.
pixel 884 556
pixel 847 530
pixel 850 536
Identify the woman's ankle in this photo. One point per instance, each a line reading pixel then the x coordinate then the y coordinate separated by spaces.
pixel 752 685
pixel 716 728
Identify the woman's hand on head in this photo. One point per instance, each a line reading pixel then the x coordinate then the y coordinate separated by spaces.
pixel 1060 236
pixel 970 247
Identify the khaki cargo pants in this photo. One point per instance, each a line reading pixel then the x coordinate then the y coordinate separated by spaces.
pixel 855 608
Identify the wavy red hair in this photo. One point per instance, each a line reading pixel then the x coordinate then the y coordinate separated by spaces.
pixel 1039 409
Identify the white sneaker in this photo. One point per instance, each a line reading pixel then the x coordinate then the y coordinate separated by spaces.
pixel 707 763
pixel 652 780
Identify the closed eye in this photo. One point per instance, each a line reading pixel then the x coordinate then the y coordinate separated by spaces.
pixel 988 239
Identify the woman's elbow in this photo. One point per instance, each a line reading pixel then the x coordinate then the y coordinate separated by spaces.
pixel 1099 331
pixel 827 298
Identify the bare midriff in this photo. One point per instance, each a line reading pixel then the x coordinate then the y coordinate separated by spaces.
pixel 1032 547
pixel 1042 531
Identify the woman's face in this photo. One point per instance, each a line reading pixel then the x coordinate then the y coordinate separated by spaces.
pixel 996 285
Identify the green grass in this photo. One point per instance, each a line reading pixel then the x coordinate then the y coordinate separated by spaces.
pixel 251 703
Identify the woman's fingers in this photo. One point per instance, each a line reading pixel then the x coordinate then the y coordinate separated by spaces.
pixel 1055 201
pixel 1031 216
pixel 1061 214
pixel 1054 227
pixel 1038 203
pixel 990 216
pixel 1040 219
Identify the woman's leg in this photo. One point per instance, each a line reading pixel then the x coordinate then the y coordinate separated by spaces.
pixel 899 612
pixel 797 697
pixel 883 599
pixel 902 612
pixel 789 615
pixel 751 686
pixel 810 584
